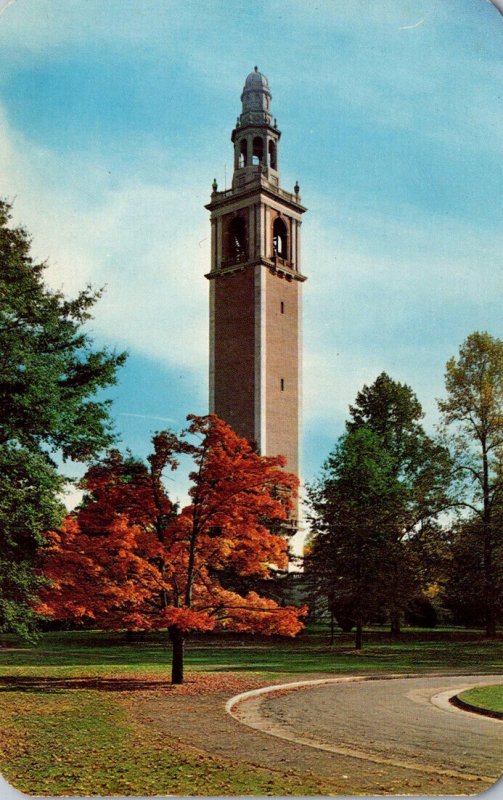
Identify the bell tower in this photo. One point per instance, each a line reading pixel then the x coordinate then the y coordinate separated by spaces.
pixel 255 287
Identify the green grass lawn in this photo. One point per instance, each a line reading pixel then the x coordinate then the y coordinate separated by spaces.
pixel 489 698
pixel 70 707
pixel 93 652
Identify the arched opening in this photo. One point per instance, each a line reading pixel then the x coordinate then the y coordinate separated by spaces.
pixel 258 150
pixel 280 238
pixel 236 250
pixel 272 155
pixel 243 153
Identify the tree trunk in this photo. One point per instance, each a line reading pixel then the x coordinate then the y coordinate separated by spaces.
pixel 395 623
pixel 489 599
pixel 490 622
pixel 489 593
pixel 177 640
pixel 360 595
pixel 359 636
pixel 332 637
pixel 134 636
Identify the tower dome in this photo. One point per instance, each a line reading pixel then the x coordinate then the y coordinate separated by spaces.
pixel 256 80
pixel 256 98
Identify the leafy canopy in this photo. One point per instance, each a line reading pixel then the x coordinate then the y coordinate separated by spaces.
pixel 473 413
pixel 129 558
pixel 473 408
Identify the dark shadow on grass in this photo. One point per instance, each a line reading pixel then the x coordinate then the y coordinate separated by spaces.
pixel 52 685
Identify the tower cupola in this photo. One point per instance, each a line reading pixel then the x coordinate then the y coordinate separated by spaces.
pixel 256 135
pixel 256 100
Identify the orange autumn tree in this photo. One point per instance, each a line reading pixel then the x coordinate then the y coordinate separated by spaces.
pixel 128 558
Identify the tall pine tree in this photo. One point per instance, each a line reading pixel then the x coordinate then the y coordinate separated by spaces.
pixel 49 377
pixel 422 467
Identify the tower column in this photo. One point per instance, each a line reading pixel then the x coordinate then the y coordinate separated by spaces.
pixel 255 288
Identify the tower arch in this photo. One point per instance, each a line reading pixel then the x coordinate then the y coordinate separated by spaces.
pixel 243 152
pixel 258 150
pixel 236 242
pixel 280 238
pixel 272 154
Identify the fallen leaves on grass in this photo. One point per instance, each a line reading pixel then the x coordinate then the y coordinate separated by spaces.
pixel 203 683
pixel 196 684
pixel 106 744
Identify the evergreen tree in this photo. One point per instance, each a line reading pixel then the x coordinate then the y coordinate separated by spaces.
pixel 353 504
pixel 374 509
pixel 49 377
pixel 422 467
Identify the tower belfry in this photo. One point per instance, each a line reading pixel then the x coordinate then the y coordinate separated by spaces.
pixel 255 287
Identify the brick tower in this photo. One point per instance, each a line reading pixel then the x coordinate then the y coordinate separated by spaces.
pixel 255 288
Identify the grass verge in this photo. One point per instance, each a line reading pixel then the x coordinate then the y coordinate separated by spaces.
pixel 486 698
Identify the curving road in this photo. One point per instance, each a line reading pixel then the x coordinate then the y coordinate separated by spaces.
pixel 405 722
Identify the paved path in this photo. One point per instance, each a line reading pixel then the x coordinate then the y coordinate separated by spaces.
pixel 200 724
pixel 388 722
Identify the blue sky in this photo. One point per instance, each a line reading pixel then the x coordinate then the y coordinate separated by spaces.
pixel 115 117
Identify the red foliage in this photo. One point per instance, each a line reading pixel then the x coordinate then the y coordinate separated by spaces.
pixel 127 558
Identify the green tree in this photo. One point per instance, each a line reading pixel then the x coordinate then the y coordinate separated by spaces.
pixel 473 412
pixel 353 504
pixel 49 377
pixel 422 467
pixel 463 589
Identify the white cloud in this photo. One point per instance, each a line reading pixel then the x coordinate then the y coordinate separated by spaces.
pixel 147 416
pixel 388 295
pixel 147 243
pixel 46 26
pixel 4 4
pixel 420 80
